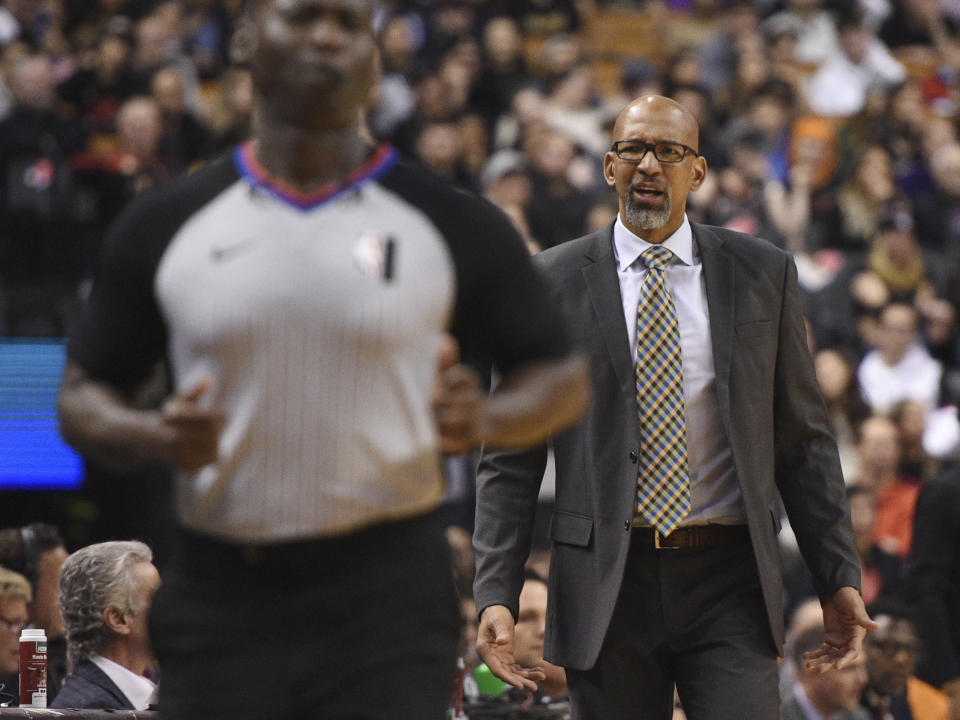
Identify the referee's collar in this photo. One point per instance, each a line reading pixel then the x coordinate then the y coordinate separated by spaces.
pixel 257 175
pixel 627 246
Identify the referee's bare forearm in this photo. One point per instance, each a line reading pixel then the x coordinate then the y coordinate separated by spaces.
pixel 99 421
pixel 536 401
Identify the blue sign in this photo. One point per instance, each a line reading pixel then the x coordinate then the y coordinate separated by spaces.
pixel 32 453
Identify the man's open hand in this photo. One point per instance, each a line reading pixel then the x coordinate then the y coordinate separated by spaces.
pixel 190 432
pixel 845 622
pixel 495 646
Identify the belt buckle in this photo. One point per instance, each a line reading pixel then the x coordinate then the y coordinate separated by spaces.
pixel 656 541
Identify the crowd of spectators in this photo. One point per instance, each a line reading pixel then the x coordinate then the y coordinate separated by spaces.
pixel 830 127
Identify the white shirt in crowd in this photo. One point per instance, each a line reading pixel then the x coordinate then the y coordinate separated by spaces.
pixel 915 377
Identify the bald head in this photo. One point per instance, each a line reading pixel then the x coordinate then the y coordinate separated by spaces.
pixel 662 112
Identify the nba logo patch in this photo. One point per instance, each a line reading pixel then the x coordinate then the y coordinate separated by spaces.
pixel 373 254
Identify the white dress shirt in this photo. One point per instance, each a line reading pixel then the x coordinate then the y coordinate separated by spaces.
pixel 714 490
pixel 140 691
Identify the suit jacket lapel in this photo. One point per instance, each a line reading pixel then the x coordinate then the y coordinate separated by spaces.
pixel 603 288
pixel 92 672
pixel 718 273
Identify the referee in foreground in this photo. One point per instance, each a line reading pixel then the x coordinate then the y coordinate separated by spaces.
pixel 301 290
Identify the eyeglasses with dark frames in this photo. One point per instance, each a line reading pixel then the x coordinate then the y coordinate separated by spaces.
pixel 633 151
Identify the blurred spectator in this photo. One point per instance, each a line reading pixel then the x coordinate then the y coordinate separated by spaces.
pixel 804 616
pixel 41 249
pixel 882 571
pixel 525 115
pixel 106 591
pixel 601 214
pixel 916 23
pixel 814 27
pixel 860 62
pixel 14 596
pixel 557 56
pixel 545 17
pixel 752 73
pixel 812 177
pixel 557 211
pixel 37 551
pixel 817 696
pixel 769 110
pixel 863 198
pixel 891 652
pixel 97 91
pixel 504 72
pixel 901 128
pixel 938 213
pixel 133 165
pixel 572 107
pixel 915 462
pixel 440 148
pixel 879 446
pixel 206 28
pixel 835 376
pixel 896 259
pixel 157 46
pixel 900 368
pixel 447 23
pixel 233 109
pixel 740 200
pixel 185 140
pixel 785 66
pixel 504 179
pixel 639 77
pixel 400 40
pixel 738 25
pixel 933 587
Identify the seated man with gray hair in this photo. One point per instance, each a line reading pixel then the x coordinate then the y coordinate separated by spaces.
pixel 106 591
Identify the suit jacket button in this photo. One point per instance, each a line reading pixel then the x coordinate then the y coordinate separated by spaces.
pixel 633 456
pixel 626 525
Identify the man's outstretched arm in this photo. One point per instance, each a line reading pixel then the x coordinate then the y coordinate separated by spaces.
pixel 528 406
pixel 100 421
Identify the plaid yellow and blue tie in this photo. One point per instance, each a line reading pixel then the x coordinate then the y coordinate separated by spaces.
pixel 663 482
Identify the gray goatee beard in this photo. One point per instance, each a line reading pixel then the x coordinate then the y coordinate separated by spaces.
pixel 646 218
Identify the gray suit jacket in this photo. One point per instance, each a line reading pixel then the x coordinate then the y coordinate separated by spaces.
pixel 771 412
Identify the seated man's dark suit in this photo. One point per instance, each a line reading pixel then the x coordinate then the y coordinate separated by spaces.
pixel 88 687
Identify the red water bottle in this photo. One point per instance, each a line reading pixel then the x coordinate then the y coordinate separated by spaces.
pixel 33 668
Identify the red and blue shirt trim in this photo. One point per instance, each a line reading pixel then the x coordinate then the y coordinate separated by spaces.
pixel 250 168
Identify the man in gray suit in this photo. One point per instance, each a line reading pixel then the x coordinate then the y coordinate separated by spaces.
pixel 665 564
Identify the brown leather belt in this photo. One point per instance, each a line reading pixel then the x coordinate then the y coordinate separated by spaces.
pixel 693 536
